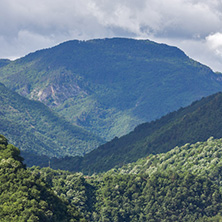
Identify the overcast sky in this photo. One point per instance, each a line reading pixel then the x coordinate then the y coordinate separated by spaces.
pixel 195 26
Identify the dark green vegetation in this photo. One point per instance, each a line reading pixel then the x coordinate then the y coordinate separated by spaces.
pixel 196 122
pixel 4 62
pixel 183 184
pixel 109 86
pixel 34 128
pixel 24 196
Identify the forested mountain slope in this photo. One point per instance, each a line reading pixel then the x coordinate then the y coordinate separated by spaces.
pixel 200 158
pixel 109 86
pixel 36 129
pixel 24 196
pixel 196 122
pixel 4 62
pixel 183 184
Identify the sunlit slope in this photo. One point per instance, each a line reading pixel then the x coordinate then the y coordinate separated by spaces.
pixel 35 128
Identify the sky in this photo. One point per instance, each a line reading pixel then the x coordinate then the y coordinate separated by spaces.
pixel 195 26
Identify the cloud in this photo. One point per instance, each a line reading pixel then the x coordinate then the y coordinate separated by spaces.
pixel 90 18
pixel 173 18
pixel 214 42
pixel 208 50
pixel 30 25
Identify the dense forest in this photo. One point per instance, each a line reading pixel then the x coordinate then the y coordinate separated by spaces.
pixel 24 196
pixel 183 184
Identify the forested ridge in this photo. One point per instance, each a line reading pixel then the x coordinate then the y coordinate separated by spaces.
pixel 197 122
pixel 183 184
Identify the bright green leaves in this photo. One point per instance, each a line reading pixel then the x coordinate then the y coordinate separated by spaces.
pixel 24 196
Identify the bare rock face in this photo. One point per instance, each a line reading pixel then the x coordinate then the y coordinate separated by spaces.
pixel 57 90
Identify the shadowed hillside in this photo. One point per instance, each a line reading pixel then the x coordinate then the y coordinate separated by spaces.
pixel 196 122
pixel 35 128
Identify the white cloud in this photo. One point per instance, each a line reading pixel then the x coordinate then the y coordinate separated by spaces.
pixel 193 25
pixel 163 17
pixel 214 42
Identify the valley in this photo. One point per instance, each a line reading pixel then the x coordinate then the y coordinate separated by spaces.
pixel 38 130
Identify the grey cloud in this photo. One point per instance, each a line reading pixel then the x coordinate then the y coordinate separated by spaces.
pixel 30 25
pixel 168 17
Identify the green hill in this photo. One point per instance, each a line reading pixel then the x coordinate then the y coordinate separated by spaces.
pixel 183 184
pixel 24 196
pixel 201 158
pixel 196 122
pixel 36 129
pixel 109 86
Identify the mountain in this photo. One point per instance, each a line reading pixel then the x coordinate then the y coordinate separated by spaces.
pixel 4 62
pixel 109 86
pixel 37 130
pixel 24 196
pixel 196 122
pixel 183 184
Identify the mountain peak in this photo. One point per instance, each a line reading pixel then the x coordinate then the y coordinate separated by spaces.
pixel 109 86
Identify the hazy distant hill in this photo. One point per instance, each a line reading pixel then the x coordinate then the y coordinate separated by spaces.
pixel 4 62
pixel 35 128
pixel 196 122
pixel 109 86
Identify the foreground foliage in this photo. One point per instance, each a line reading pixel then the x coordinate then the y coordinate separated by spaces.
pixel 183 184
pixel 167 196
pixel 24 196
